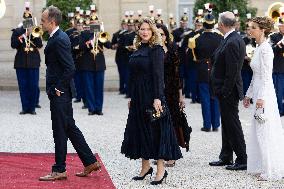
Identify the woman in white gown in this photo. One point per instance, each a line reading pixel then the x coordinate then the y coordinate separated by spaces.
pixel 265 146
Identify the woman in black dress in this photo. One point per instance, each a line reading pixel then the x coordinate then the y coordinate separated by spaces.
pixel 142 138
pixel 173 84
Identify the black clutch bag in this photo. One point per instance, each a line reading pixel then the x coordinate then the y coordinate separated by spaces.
pixel 152 115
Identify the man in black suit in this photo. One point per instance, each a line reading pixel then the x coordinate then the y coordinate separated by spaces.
pixel 60 90
pixel 227 86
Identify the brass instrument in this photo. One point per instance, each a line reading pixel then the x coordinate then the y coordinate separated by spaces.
pixel 104 37
pixel 37 31
pixel 273 10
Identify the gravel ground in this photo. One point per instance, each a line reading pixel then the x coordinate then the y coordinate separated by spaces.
pixel 104 134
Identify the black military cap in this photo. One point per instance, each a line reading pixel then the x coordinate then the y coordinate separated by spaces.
pixel 124 21
pixel 130 22
pixel 198 20
pixel 209 19
pixel 27 12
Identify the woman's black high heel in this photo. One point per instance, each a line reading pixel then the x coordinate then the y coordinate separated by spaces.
pixel 150 172
pixel 160 181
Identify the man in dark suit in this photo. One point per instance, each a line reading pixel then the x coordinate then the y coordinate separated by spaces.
pixel 60 90
pixel 227 86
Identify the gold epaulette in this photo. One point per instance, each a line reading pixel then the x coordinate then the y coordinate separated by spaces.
pixel 192 44
pixel 218 32
pixel 192 41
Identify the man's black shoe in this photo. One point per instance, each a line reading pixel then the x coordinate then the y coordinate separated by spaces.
pixel 215 129
pixel 38 106
pixel 99 113
pixel 77 100
pixel 23 112
pixel 236 167
pixel 91 113
pixel 32 112
pixel 220 163
pixel 205 129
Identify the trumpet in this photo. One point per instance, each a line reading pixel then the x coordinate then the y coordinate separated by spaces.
pixel 37 31
pixel 104 37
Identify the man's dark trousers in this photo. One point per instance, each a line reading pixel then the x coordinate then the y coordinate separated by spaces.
pixel 232 133
pixel 63 126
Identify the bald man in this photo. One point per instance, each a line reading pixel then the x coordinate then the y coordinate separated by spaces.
pixel 227 85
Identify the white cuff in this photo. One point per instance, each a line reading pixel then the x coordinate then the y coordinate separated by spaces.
pixel 58 90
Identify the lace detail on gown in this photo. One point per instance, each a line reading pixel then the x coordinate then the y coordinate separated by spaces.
pixel 265 146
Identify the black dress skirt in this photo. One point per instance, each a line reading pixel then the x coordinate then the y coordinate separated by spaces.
pixel 142 138
pixel 173 83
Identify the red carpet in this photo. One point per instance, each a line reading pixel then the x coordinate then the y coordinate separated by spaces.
pixel 22 170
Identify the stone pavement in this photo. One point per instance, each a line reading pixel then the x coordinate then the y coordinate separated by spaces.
pixel 28 133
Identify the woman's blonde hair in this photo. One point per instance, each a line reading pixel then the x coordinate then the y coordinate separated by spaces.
pixel 156 38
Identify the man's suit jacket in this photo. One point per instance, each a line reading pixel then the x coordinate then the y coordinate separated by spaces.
pixel 226 71
pixel 60 65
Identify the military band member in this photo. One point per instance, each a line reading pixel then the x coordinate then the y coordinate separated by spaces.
pixel 277 41
pixel 190 73
pixel 93 66
pixel 203 46
pixel 172 23
pixel 72 24
pixel 117 38
pixel 178 35
pixel 27 63
pixel 128 39
pixel 76 40
pixel 238 24
pixel 180 32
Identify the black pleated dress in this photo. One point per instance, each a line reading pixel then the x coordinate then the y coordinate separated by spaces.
pixel 144 139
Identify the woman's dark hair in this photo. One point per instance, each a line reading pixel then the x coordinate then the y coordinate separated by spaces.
pixel 167 33
pixel 265 23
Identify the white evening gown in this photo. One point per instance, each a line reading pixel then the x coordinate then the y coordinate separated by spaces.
pixel 265 146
